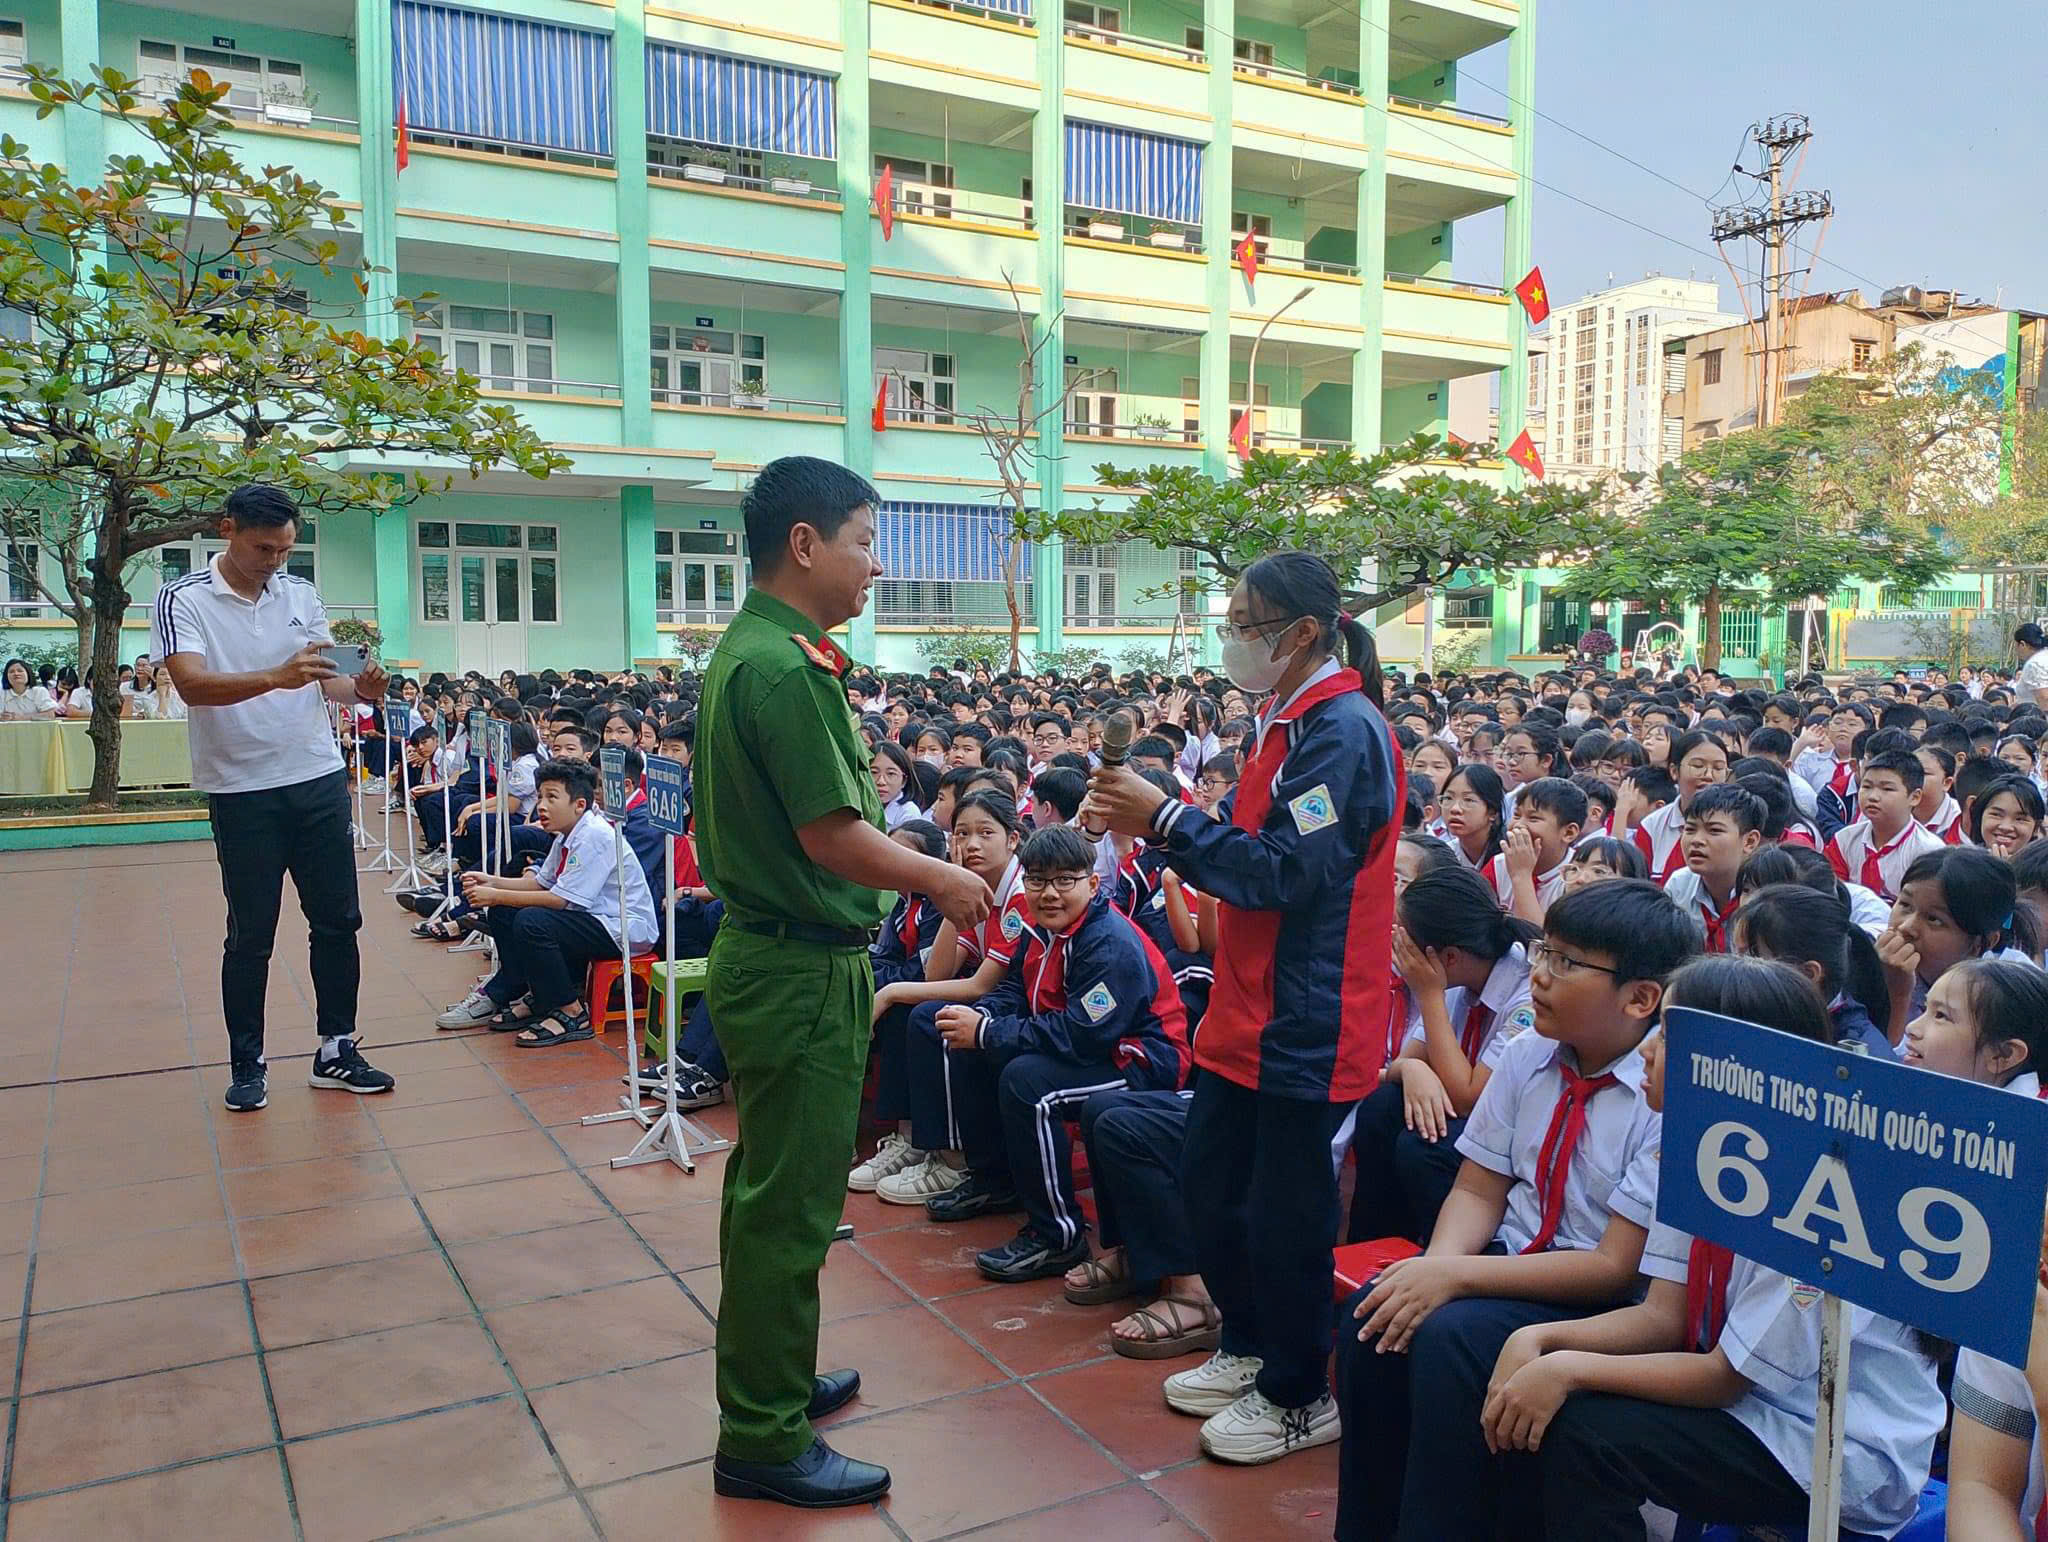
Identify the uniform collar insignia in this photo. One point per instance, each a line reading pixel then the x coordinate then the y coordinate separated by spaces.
pixel 824 653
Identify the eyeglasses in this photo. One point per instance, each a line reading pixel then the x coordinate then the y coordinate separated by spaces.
pixel 1227 633
pixel 1214 783
pixel 1516 755
pixel 1542 955
pixel 1065 883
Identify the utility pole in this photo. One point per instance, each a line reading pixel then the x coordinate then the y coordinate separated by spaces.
pixel 1774 225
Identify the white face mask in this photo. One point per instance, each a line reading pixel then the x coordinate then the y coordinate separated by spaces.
pixel 935 760
pixel 1251 666
pixel 1576 715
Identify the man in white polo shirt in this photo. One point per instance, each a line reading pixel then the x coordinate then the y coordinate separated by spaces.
pixel 242 640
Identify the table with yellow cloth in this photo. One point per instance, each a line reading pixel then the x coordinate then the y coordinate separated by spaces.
pixel 51 756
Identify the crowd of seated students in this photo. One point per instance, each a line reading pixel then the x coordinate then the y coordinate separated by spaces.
pixel 1864 866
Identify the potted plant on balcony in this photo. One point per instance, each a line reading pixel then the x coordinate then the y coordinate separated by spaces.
pixel 1150 425
pixel 751 394
pixel 789 182
pixel 1172 238
pixel 1103 228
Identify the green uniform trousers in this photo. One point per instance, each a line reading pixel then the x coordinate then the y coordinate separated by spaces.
pixel 794 1021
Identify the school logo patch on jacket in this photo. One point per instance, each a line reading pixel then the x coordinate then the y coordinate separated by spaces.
pixel 1516 1023
pixel 1013 924
pixel 1312 810
pixel 1098 1003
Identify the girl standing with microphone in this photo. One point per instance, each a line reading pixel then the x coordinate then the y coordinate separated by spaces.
pixel 1301 859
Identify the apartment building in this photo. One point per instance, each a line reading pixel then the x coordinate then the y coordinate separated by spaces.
pixel 651 232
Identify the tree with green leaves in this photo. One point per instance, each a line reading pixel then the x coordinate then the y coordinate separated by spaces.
pixel 1391 523
pixel 1752 516
pixel 151 383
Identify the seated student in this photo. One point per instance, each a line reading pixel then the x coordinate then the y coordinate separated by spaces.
pixel 1597 858
pixel 1814 933
pixel 1973 773
pixel 1218 778
pixel 1805 866
pixel 1087 1006
pixel 1988 1021
pixel 954 785
pixel 554 922
pixel 473 828
pixel 2006 815
pixel 895 783
pixel 1640 792
pixel 1559 1122
pixel 1935 807
pixel 1783 823
pixel 1471 806
pixel 1465 975
pixel 1529 872
pixel 970 741
pixel 1955 903
pixel 1057 792
pixel 1702 1397
pixel 898 955
pixel 1697 760
pixel 1826 756
pixel 2030 871
pixel 1878 848
pixel 1600 796
pixel 1723 829
pixel 958 968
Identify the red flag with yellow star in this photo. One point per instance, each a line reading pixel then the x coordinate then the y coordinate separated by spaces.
pixel 885 199
pixel 1241 434
pixel 1247 255
pixel 1534 297
pixel 1523 453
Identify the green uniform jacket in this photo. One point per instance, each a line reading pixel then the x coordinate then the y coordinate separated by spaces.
pixel 777 747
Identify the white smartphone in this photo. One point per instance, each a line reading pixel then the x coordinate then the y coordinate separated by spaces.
pixel 347 658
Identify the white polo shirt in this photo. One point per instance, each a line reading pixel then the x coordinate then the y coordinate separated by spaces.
pixel 278 739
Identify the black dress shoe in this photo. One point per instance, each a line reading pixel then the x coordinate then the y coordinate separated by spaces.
pixel 820 1479
pixel 832 1391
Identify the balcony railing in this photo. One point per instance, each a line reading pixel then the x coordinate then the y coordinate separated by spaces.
pixel 1445 285
pixel 1288 255
pixel 1135 42
pixel 511 149
pixel 1417 104
pixel 745 401
pixel 1162 433
pixel 1258 70
pixel 1134 622
pixel 1294 444
pixel 707 176
pixel 1002 13
pixel 1129 230
pixel 527 385
pixel 960 203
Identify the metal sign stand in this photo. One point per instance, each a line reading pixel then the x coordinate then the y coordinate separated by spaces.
pixel 386 861
pixel 672 1137
pixel 358 825
pixel 1831 1409
pixel 481 940
pixel 612 764
pixel 410 877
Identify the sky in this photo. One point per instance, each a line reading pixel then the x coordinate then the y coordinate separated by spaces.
pixel 1925 130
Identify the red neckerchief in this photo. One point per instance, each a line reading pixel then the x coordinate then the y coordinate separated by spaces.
pixel 908 930
pixel 1473 1034
pixel 1844 775
pixel 1560 1142
pixel 1716 921
pixel 1397 1018
pixel 1870 875
pixel 1706 1292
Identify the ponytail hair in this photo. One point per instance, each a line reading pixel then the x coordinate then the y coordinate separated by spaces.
pixel 2007 1002
pixel 1454 907
pixel 1298 583
pixel 1792 923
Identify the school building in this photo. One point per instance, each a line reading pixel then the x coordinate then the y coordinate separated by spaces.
pixel 651 231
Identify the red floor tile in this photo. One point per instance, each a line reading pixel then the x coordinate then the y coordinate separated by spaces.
pixel 240 1497
pixel 128 1338
pixel 681 1504
pixel 384 1375
pixel 508 1270
pixel 354 1298
pixel 600 1330
pixel 169 1416
pixel 1031 1328
pixel 1294 1498
pixel 624 1423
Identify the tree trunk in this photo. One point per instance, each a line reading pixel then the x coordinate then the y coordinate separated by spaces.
pixel 1011 563
pixel 109 604
pixel 83 623
pixel 1710 629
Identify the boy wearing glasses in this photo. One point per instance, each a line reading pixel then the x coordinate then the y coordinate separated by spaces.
pixel 1525 1234
pixel 1088 1006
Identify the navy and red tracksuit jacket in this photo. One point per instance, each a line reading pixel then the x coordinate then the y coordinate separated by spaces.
pixel 1097 992
pixel 898 951
pixel 1302 868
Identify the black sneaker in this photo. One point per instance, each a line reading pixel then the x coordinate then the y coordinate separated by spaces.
pixel 974 1196
pixel 1029 1256
pixel 348 1071
pixel 249 1090
pixel 697 1087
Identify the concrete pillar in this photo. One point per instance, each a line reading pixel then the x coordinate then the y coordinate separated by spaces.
pixel 1048 206
pixel 1368 366
pixel 1516 255
pixel 856 299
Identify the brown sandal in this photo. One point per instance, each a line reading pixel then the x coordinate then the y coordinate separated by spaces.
pixel 1104 1283
pixel 1164 1339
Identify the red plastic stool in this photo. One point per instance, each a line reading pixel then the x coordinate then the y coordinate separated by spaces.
pixel 597 991
pixel 1360 1261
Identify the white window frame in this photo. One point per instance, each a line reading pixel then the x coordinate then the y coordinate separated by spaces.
pixel 1096 409
pixel 304 561
pixel 670 563
pixel 453 551
pixel 921 387
pixel 1251 56
pixel 530 335
pixel 742 361
pixel 276 80
pixel 13 47
pixel 921 187
pixel 1098 18
pixel 1091 581
pixel 18 580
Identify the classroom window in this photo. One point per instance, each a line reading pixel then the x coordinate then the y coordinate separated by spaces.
pixel 921 387
pixel 699 576
pixel 921 187
pixel 1103 18
pixel 1245 51
pixel 252 79
pixel 488 573
pixel 705 366
pixel 507 350
pixel 22 560
pixel 182 557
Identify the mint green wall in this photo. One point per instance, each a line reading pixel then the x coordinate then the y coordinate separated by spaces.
pixel 976 168
pixel 39 18
pixel 328 61
pixel 346 568
pixel 1432 83
pixel 1167 20
pixel 1333 243
pixel 1408 411
pixel 586 340
pixel 1423 252
pixel 1290 220
pixel 1326 412
pixel 803 351
pixel 1139 373
pixel 984 367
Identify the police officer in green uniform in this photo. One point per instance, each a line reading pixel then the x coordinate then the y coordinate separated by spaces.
pixel 790 836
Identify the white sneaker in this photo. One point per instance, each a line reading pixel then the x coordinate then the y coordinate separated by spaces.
pixel 1214 1385
pixel 472 1011
pixel 434 863
pixel 914 1185
pixel 893 1156
pixel 1251 1430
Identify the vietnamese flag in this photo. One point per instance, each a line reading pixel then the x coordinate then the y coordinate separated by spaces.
pixel 1524 454
pixel 880 416
pixel 404 139
pixel 1241 434
pixel 1247 255
pixel 885 199
pixel 1534 297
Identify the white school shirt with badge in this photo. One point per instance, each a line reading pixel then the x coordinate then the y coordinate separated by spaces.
pixel 582 868
pixel 1505 1135
pixel 1505 994
pixel 1548 885
pixel 1772 1340
pixel 278 739
pixel 1854 842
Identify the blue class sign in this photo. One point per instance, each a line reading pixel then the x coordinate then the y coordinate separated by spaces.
pixel 1915 1195
pixel 667 808
pixel 611 770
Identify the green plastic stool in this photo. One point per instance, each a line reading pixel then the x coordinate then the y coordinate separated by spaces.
pixel 689 973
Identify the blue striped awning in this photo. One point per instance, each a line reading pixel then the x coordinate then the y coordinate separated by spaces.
pixel 746 104
pixel 1123 171
pixel 960 542
pixel 473 75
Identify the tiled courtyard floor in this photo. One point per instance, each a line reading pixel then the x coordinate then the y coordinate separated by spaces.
pixel 441 1312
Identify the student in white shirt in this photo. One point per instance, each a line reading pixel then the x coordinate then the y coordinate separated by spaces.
pixel 1701 1399
pixel 1723 829
pixel 1699 760
pixel 1877 849
pixel 554 922
pixel 20 696
pixel 1529 872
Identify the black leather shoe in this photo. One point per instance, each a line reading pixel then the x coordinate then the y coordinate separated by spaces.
pixel 832 1391
pixel 820 1479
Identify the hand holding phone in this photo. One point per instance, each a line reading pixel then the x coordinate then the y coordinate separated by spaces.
pixel 348 659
